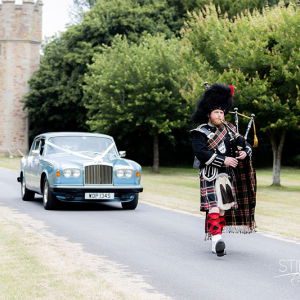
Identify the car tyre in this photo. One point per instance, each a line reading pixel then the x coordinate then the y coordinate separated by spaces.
pixel 26 194
pixel 49 200
pixel 132 204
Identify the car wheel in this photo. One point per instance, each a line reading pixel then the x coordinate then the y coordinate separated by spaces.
pixel 132 204
pixel 26 194
pixel 49 199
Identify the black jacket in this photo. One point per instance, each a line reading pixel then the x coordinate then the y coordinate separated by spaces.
pixel 216 156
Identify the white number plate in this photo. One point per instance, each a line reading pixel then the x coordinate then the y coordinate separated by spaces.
pixel 99 196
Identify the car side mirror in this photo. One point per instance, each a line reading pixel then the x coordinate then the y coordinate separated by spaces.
pixel 122 153
pixel 35 152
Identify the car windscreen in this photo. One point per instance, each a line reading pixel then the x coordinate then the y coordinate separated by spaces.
pixel 85 145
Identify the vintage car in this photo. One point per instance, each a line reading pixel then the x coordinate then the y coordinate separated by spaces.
pixel 79 167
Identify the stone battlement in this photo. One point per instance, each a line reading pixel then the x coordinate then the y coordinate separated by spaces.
pixel 21 2
pixel 20 39
pixel 35 5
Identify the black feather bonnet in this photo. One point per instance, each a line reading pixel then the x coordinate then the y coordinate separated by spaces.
pixel 216 96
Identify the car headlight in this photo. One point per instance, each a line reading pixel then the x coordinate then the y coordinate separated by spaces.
pixel 67 173
pixel 71 173
pixel 120 173
pixel 76 173
pixel 128 173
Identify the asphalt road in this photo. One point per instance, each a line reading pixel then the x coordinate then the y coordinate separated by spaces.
pixel 168 250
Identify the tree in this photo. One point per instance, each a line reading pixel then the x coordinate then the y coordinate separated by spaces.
pixel 55 98
pixel 130 18
pixel 228 8
pixel 259 54
pixel 52 101
pixel 135 88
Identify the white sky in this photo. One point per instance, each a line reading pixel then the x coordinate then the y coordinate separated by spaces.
pixel 56 14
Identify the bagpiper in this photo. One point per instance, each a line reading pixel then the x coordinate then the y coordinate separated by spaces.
pixel 227 178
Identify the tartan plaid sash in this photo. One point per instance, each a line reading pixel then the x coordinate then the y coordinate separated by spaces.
pixel 242 219
pixel 219 136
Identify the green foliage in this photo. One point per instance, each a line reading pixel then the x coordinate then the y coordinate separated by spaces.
pixel 127 17
pixel 55 98
pixel 259 55
pixel 52 101
pixel 228 8
pixel 135 88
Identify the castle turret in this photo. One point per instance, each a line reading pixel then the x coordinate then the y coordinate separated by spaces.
pixel 20 40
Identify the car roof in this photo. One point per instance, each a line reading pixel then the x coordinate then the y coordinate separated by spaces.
pixel 55 134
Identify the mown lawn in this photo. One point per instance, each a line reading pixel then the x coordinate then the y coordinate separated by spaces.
pixel 277 210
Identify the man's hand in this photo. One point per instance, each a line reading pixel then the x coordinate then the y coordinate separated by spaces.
pixel 241 155
pixel 230 162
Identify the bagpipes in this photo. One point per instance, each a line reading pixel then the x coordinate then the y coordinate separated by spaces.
pixel 236 134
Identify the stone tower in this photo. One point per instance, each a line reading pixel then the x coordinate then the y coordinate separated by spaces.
pixel 20 40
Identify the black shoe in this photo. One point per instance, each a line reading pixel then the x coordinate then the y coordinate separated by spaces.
pixel 220 248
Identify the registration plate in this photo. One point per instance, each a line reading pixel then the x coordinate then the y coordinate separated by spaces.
pixel 99 196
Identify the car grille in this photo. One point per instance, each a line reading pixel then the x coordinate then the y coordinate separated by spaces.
pixel 98 174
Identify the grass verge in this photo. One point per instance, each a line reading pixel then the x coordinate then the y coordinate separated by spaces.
pixel 35 264
pixel 10 163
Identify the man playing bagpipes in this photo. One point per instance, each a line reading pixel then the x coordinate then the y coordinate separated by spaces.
pixel 227 178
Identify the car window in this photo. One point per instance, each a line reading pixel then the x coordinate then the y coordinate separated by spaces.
pixel 42 146
pixel 85 145
pixel 31 148
pixel 38 145
pixel 35 145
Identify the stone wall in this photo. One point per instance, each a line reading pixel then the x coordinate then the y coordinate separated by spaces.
pixel 20 39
